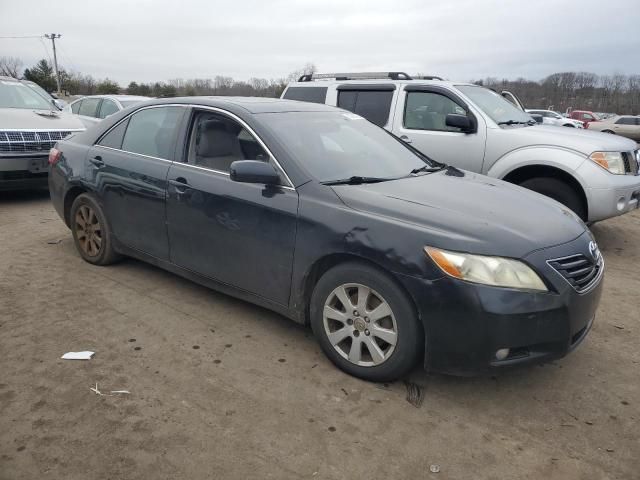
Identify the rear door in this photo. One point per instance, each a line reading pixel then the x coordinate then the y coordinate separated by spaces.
pixel 128 167
pixel 421 121
pixel 241 234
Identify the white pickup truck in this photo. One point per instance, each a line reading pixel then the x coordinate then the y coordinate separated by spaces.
pixel 476 129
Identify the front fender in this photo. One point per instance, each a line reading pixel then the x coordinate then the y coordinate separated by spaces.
pixel 563 159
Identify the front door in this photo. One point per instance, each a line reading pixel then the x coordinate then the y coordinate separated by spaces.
pixel 420 120
pixel 129 167
pixel 240 234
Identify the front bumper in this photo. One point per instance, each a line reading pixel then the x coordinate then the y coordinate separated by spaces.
pixel 24 172
pixel 466 324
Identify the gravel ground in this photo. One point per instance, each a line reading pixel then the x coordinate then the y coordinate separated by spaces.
pixel 223 389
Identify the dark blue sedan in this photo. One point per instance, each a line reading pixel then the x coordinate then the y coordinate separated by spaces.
pixel 314 212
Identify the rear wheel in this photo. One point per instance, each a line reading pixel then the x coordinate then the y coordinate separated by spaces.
pixel 365 323
pixel 91 233
pixel 559 191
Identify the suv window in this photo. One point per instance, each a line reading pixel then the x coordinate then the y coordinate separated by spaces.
pixel 152 132
pixel 370 104
pixel 428 111
pixel 216 141
pixel 89 107
pixel 107 108
pixel 76 106
pixel 306 94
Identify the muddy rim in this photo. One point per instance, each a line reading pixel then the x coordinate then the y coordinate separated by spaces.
pixel 360 325
pixel 88 231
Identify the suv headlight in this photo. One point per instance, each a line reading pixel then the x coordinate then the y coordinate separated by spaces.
pixel 611 161
pixel 494 271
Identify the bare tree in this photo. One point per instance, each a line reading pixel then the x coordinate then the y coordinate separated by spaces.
pixel 10 67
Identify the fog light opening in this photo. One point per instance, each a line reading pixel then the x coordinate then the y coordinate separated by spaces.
pixel 502 353
pixel 621 204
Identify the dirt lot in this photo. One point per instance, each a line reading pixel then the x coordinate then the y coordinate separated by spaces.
pixel 223 389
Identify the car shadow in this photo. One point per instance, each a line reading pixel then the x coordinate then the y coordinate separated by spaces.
pixel 24 196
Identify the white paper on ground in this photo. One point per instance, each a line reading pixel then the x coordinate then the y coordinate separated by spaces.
pixel 78 355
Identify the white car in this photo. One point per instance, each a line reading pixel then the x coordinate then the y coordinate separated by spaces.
pixel 94 108
pixel 549 117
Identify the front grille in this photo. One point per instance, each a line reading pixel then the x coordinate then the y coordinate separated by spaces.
pixel 30 141
pixel 631 162
pixel 581 271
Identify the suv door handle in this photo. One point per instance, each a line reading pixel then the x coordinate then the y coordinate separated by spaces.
pixel 97 161
pixel 405 139
pixel 180 184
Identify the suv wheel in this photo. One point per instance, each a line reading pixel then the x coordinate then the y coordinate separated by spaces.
pixel 559 191
pixel 365 323
pixel 91 233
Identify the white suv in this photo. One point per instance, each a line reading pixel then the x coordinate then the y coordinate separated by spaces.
pixel 475 128
pixel 549 117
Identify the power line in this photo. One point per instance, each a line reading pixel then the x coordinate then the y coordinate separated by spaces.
pixel 23 36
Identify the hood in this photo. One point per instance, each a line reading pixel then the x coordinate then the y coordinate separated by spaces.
pixel 583 141
pixel 468 212
pixel 25 119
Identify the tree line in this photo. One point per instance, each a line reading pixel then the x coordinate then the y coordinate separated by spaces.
pixel 617 93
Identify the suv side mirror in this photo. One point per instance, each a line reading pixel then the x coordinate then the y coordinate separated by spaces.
pixel 253 171
pixel 459 121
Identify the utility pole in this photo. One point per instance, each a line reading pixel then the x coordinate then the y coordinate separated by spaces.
pixel 52 37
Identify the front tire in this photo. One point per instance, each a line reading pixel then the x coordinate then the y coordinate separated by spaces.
pixel 560 192
pixel 609 131
pixel 91 233
pixel 365 323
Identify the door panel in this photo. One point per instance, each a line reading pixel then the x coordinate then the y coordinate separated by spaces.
pixel 237 233
pixel 132 191
pixel 421 122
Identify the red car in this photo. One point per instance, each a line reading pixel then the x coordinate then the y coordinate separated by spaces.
pixel 584 116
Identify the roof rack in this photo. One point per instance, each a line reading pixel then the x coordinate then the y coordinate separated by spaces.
pixel 355 76
pixel 428 77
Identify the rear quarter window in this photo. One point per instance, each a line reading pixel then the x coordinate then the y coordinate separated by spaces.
pixel 306 94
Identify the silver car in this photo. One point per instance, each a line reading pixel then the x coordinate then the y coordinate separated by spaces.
pixel 94 108
pixel 29 127
pixel 623 125
pixel 549 117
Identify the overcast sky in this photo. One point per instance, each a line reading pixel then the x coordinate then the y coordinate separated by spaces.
pixel 146 40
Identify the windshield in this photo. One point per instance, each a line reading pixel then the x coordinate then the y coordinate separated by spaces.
pixel 339 145
pixel 493 104
pixel 38 89
pixel 18 95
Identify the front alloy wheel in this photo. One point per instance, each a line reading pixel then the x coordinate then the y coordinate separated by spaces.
pixel 360 325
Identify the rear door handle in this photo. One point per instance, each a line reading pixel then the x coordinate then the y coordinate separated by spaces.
pixel 180 184
pixel 97 161
pixel 405 139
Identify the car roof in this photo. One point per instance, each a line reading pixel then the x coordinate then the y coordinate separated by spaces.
pixel 117 97
pixel 247 104
pixel 8 79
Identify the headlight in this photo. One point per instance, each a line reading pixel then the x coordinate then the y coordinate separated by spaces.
pixel 495 271
pixel 611 161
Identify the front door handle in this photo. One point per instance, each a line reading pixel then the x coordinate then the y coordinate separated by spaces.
pixel 97 161
pixel 180 184
pixel 405 139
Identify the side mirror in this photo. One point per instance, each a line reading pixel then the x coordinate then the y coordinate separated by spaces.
pixel 459 121
pixel 253 171
pixel 57 103
pixel 537 117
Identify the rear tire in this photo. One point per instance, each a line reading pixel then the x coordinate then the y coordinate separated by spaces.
pixel 365 323
pixel 609 131
pixel 560 192
pixel 91 232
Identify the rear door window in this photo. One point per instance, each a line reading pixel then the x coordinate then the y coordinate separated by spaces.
pixel 89 107
pixel 371 104
pixel 107 108
pixel 306 94
pixel 152 132
pixel 76 106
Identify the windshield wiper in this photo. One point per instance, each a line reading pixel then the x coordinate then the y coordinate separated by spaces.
pixel 356 180
pixel 427 169
pixel 515 122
